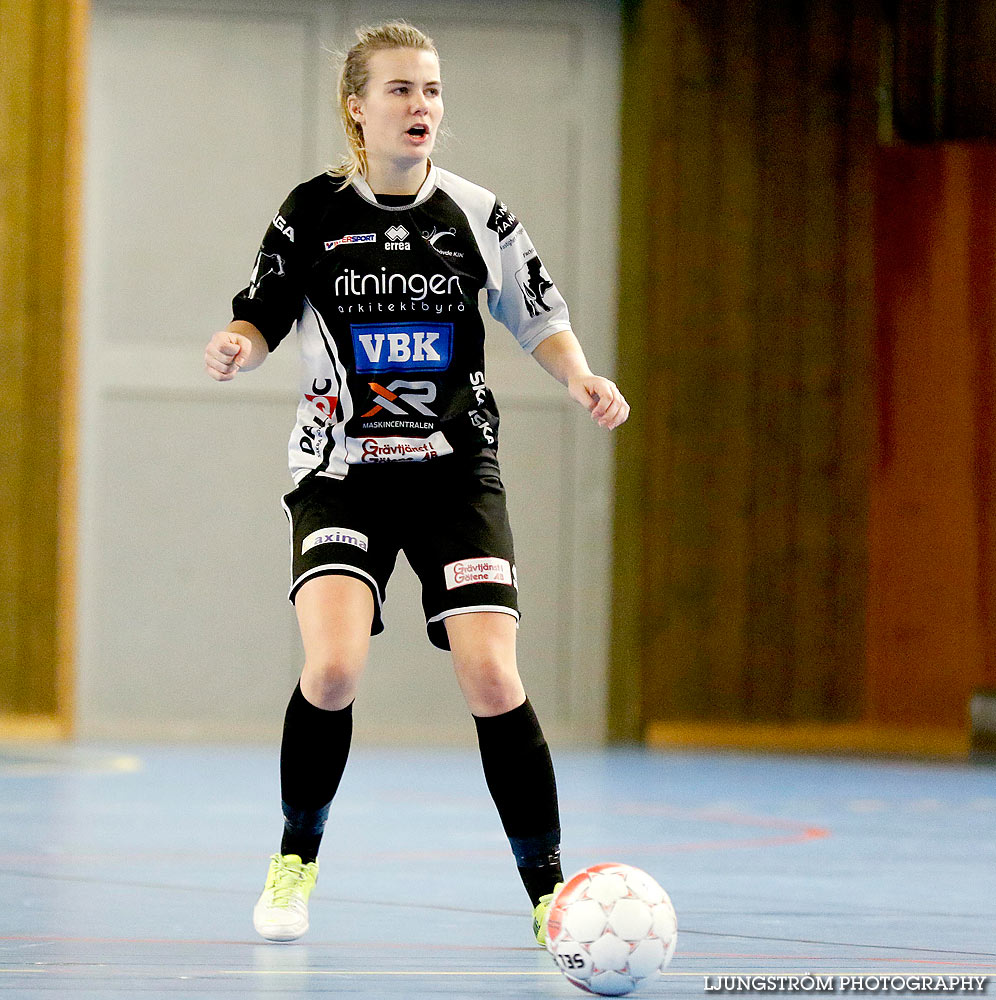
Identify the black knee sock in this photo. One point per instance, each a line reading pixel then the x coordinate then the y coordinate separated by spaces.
pixel 312 758
pixel 519 773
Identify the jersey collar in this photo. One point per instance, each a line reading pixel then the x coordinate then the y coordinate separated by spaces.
pixel 428 186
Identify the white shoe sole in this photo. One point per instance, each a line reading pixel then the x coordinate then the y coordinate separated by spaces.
pixel 278 930
pixel 280 934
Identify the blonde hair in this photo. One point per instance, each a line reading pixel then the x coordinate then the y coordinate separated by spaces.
pixel 354 76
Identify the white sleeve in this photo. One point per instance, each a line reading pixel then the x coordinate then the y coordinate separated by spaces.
pixel 521 294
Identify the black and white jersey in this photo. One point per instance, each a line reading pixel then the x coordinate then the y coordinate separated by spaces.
pixel 386 304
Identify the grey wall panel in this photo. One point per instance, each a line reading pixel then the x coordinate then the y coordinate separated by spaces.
pixel 197 131
pixel 194 633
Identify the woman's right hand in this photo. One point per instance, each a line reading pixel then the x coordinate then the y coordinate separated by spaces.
pixel 226 354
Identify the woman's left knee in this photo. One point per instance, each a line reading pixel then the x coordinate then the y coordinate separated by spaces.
pixel 483 646
pixel 491 688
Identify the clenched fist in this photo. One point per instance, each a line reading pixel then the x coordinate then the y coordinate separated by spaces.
pixel 226 354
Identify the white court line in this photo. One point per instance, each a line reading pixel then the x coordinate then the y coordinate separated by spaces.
pixel 123 764
pixel 390 972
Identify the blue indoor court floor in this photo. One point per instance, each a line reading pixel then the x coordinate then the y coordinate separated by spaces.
pixel 131 871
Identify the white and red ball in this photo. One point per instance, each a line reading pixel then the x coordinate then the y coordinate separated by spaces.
pixel 611 927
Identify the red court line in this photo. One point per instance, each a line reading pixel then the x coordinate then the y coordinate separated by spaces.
pixel 797 832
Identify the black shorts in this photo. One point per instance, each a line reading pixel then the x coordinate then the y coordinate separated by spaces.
pixel 448 516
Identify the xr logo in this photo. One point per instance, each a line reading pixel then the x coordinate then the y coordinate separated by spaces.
pixel 418 394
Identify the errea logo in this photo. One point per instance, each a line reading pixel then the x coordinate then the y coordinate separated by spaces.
pixel 396 237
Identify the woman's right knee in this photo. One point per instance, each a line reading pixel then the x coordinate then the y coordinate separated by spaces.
pixel 335 614
pixel 330 677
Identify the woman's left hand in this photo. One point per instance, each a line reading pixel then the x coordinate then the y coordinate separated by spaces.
pixel 601 397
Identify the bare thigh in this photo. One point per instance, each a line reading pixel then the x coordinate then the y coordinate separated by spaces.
pixel 334 614
pixel 483 648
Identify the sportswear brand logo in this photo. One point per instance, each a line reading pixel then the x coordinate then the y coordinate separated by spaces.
pixel 485 569
pixel 379 347
pixel 351 238
pixel 396 237
pixel 339 536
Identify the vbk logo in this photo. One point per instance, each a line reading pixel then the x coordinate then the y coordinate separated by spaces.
pixel 380 347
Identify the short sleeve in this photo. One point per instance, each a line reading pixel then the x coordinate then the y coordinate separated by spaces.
pixel 272 300
pixel 525 300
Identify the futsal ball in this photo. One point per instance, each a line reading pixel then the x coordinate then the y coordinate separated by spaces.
pixel 610 928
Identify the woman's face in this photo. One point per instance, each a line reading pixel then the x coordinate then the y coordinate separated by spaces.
pixel 402 107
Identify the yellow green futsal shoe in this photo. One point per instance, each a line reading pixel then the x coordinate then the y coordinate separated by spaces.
pixel 541 912
pixel 281 912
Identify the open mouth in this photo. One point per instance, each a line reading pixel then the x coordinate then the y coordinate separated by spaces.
pixel 418 131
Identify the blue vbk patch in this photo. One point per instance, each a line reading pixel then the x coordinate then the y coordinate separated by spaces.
pixel 380 347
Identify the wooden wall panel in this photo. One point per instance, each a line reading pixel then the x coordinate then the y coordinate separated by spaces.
pixel 982 308
pixel 744 341
pixel 943 66
pixel 41 46
pixel 932 518
pixel 856 347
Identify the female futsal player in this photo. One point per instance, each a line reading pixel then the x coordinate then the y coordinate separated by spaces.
pixel 380 263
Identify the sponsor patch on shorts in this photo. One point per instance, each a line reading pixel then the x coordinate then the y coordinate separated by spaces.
pixel 331 536
pixel 484 569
